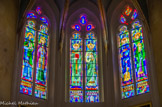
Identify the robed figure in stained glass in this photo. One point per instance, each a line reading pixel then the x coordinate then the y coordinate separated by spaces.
pixel 42 60
pixel 91 65
pixel 76 60
pixel 140 60
pixel 76 85
pixel 28 57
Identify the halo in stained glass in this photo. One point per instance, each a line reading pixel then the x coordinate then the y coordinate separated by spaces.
pixel 136 24
pixel 123 39
pixel 91 45
pixel 137 34
pixel 76 45
pixel 31 24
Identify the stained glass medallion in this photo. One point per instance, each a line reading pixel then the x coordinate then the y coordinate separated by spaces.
pixel 122 19
pixel 38 10
pixel 134 16
pixel 128 11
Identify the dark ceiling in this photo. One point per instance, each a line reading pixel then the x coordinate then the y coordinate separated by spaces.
pixel 60 4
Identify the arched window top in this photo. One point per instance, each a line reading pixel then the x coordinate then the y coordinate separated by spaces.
pixel 128 15
pixel 31 15
pixel 35 52
pixel 38 14
pixel 31 24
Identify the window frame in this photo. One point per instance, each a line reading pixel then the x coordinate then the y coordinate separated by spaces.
pixel 68 35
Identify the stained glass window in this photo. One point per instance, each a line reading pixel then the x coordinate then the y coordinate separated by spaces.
pixel 30 52
pixel 127 85
pixel 28 58
pixel 132 56
pixel 41 63
pixel 76 68
pixel 83 63
pixel 91 69
pixel 139 57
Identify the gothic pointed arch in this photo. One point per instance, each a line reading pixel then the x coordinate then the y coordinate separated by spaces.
pixel 34 74
pixel 131 56
pixel 83 56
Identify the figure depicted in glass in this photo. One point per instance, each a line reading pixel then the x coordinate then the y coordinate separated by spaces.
pixel 90 57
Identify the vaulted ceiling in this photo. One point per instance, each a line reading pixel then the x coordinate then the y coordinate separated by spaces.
pixel 60 4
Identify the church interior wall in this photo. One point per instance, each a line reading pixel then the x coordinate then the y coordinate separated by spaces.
pixel 10 41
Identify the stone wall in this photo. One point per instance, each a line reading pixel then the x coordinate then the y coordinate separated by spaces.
pixel 8 22
pixel 155 19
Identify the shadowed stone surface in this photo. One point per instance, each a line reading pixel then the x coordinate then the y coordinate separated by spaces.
pixel 8 20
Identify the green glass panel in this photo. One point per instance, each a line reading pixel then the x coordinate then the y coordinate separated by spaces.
pixel 92 81
pixel 76 57
pixel 91 70
pixel 76 69
pixel 91 57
